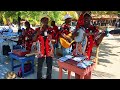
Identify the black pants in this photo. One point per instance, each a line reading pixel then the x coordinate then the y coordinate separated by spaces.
pixel 49 67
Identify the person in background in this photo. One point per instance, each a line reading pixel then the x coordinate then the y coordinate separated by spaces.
pixel 55 35
pixel 43 37
pixel 26 37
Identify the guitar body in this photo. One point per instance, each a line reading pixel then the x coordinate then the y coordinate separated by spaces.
pixel 65 43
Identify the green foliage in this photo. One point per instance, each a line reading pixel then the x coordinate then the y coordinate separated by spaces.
pixel 34 16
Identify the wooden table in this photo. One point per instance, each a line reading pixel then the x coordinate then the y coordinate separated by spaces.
pixel 84 73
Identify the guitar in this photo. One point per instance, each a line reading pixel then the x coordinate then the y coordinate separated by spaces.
pixel 69 39
pixel 66 41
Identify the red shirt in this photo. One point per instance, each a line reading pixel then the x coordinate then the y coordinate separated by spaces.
pixel 55 28
pixel 27 38
pixel 65 29
pixel 55 33
pixel 91 40
pixel 49 30
pixel 95 31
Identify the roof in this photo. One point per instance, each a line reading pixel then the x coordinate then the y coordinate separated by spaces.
pixel 105 16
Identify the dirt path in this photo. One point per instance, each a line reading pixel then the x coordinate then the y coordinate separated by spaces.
pixel 109 59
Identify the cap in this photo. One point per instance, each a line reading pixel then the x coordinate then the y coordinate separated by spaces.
pixel 67 16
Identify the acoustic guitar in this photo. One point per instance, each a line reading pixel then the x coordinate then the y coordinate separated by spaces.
pixel 66 42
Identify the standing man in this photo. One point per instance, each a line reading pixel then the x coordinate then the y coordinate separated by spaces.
pixel 65 30
pixel 80 37
pixel 55 34
pixel 91 33
pixel 45 48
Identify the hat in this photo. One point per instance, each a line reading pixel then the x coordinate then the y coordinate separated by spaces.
pixel 44 18
pixel 67 16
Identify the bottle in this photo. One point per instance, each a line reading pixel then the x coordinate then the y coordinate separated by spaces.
pixel 107 31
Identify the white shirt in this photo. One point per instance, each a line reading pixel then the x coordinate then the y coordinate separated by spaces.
pixel 80 37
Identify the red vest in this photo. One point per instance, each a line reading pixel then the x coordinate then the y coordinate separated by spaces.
pixel 65 29
pixel 44 46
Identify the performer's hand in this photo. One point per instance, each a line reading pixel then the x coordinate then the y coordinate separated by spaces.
pixel 51 54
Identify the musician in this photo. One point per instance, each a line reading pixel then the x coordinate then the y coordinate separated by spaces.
pixel 65 30
pixel 43 37
pixel 91 32
pixel 26 37
pixel 55 34
pixel 80 37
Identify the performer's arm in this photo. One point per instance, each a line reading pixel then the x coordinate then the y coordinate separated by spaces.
pixel 35 35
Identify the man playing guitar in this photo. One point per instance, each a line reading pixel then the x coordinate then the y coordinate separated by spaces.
pixel 65 31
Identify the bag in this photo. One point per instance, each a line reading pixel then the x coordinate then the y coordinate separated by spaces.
pixel 6 49
pixel 27 68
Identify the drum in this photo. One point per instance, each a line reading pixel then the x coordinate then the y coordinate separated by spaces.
pixel 81 38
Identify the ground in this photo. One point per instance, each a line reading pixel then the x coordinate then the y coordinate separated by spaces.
pixel 109 61
pixel 108 67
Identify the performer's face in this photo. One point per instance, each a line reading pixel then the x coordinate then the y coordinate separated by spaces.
pixel 45 22
pixel 68 20
pixel 27 25
pixel 87 20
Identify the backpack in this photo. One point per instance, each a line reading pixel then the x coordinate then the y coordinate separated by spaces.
pixel 27 68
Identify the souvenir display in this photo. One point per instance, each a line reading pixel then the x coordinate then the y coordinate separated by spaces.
pixel 21 52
